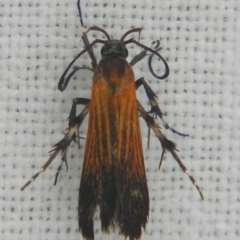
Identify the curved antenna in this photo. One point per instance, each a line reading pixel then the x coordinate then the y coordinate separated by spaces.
pixel 62 80
pixel 70 75
pixel 100 30
pixel 150 66
pixel 165 75
pixel 85 38
pixel 131 31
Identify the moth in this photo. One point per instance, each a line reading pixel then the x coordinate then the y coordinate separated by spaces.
pixel 113 174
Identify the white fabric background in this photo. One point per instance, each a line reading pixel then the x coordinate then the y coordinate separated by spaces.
pixel 199 39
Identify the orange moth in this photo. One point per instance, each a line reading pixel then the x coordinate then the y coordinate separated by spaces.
pixel 113 175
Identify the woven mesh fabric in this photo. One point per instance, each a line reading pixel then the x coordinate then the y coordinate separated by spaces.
pixel 199 40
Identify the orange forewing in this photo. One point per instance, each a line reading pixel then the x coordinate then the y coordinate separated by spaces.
pixel 113 175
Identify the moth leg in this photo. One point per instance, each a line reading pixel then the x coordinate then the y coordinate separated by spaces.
pixel 155 110
pixel 138 57
pixel 85 38
pixel 90 50
pixel 63 82
pixel 72 115
pixel 72 119
pixel 62 146
pixel 167 145
pixel 144 53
